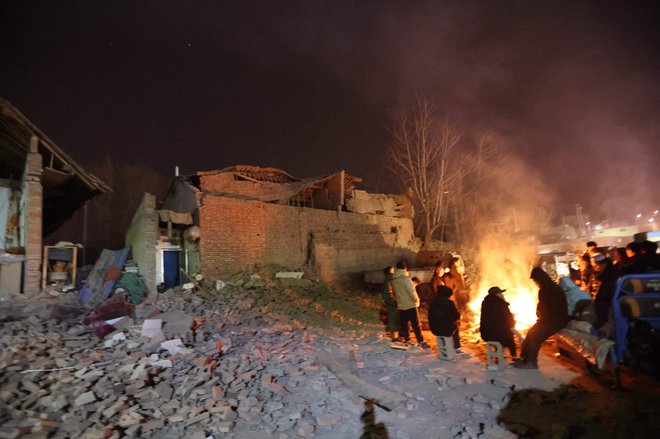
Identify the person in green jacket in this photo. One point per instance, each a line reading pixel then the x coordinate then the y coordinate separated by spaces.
pixel 392 323
pixel 407 301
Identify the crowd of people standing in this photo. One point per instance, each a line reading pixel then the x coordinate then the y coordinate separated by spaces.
pixel 592 286
pixel 402 304
pixel 600 270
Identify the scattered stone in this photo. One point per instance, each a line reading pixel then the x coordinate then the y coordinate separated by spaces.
pixel 224 427
pixel 454 381
pixel 85 398
pixel 198 418
pixel 326 420
pixel 262 380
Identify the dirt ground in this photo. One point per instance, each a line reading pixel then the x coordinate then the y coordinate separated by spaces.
pixel 458 399
pixel 586 407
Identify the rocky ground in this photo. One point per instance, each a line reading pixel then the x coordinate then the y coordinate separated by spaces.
pixel 257 366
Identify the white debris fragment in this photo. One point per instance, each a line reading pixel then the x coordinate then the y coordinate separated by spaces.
pixel 152 328
pixel 289 274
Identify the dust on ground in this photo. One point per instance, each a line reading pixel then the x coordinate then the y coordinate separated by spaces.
pixel 269 382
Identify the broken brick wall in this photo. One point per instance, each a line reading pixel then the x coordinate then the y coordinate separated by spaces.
pixel 237 234
pixel 142 236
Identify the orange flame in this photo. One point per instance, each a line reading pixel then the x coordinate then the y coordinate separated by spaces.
pixel 507 265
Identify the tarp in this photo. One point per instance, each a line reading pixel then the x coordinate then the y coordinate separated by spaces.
pixel 134 285
pixel 99 285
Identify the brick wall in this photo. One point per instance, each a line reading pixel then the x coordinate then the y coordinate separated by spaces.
pixel 32 203
pixel 237 234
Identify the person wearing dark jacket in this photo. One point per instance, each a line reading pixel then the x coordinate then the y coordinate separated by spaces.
pixel 552 315
pixel 607 275
pixel 390 303
pixel 443 315
pixel 497 321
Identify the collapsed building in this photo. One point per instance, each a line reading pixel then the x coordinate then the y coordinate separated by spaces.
pixel 219 222
pixel 40 188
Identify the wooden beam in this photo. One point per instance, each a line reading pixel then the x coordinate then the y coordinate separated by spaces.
pixel 383 398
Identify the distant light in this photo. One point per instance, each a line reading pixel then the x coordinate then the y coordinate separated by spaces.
pixel 638 216
pixel 655 212
pixel 650 220
pixel 587 223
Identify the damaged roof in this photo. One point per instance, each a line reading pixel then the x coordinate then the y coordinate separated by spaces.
pixel 271 175
pixel 66 185
pixel 274 185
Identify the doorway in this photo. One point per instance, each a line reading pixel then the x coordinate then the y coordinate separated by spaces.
pixel 171 268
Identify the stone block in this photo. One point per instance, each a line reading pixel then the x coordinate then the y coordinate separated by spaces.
pixel 175 418
pixel 164 391
pixel 325 420
pixel 197 418
pixel 152 425
pixel 85 398
pixel 217 393
pixel 175 323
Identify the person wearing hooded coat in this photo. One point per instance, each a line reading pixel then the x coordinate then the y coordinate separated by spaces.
pixel 552 315
pixel 497 321
pixel 443 315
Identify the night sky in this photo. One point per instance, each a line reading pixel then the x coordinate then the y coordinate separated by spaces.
pixel 572 88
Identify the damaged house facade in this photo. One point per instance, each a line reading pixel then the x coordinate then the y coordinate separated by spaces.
pixel 219 222
pixel 40 188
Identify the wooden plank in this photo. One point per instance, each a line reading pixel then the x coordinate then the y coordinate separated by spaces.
pixel 381 397
pixel 204 291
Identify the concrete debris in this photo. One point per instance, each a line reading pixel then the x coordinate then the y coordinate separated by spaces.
pixel 250 369
pixel 289 275
pixel 152 328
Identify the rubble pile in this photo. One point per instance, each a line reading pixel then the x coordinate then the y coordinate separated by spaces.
pixel 243 364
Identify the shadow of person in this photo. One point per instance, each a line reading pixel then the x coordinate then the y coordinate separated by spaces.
pixel 371 430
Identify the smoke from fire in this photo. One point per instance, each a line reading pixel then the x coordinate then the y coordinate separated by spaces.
pixel 506 250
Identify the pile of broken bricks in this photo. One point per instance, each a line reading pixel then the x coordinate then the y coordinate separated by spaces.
pixel 152 377
pixel 248 369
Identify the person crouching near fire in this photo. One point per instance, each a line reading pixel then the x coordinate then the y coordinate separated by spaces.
pixel 407 301
pixel 444 317
pixel 552 315
pixel 497 322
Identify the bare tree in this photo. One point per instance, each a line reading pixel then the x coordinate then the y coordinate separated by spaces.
pixel 422 158
pixel 475 194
